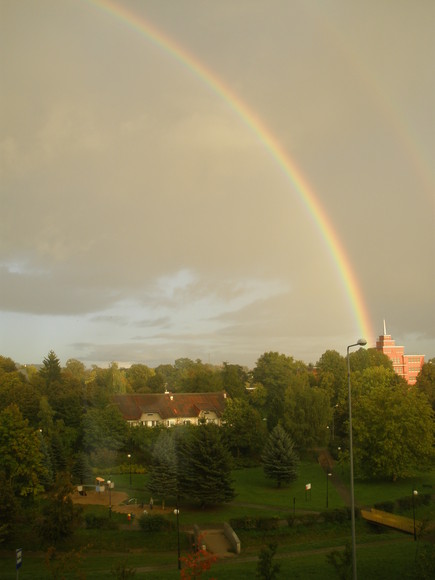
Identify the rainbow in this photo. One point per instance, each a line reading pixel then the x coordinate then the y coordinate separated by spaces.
pixel 269 141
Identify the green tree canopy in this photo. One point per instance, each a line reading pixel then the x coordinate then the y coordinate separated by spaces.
pixel 332 374
pixel 104 428
pixel 426 382
pixel 393 430
pixel 21 459
pixel 307 415
pixel 234 380
pixel 280 461
pixel 276 372
pixel 7 365
pixel 243 428
pixel 60 516
pixel 138 377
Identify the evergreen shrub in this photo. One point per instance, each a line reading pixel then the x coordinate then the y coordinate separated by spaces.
pixel 154 523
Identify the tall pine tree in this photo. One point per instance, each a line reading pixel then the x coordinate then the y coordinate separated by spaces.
pixel 163 469
pixel 204 466
pixel 279 458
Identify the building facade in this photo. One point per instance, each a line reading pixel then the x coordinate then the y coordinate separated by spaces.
pixel 406 366
pixel 170 409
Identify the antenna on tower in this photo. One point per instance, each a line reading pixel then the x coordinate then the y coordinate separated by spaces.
pixel 385 328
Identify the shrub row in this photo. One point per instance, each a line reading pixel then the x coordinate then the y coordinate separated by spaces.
pixel 154 523
pixel 338 515
pixel 94 522
pixel 249 523
pixel 403 503
pixel 309 519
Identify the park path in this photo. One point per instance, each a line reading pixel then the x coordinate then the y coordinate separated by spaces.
pixel 327 463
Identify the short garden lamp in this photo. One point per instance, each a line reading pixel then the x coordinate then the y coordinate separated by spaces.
pixel 109 485
pixel 414 493
pixel 328 475
pixel 129 460
pixel 177 513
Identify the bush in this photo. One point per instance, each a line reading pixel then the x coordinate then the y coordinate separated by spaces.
pixel 248 523
pixel 338 515
pixel 245 523
pixel 94 522
pixel 304 519
pixel 157 523
pixel 405 503
pixel 385 506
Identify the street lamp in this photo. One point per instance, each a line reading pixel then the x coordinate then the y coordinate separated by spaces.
pixel 361 342
pixel 414 493
pixel 109 485
pixel 129 459
pixel 177 513
pixel 328 475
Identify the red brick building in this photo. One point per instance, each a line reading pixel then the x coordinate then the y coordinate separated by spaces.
pixel 405 365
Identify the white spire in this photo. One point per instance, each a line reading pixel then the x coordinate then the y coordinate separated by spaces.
pixel 385 328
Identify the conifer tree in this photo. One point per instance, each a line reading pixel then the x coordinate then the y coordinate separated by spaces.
pixel 279 458
pixel 51 369
pixel 204 466
pixel 163 469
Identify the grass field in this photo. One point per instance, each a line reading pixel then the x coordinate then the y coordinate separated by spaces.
pixel 301 549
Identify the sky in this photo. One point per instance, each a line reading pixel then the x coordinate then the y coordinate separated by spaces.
pixel 215 180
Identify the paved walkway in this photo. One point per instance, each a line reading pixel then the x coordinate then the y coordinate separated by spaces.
pixel 327 462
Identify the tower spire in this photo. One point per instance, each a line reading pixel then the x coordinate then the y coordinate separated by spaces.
pixel 385 328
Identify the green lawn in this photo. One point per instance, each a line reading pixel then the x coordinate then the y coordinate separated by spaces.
pixel 380 555
pixel 253 488
pixel 388 559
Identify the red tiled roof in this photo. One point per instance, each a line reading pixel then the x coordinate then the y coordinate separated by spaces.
pixel 169 405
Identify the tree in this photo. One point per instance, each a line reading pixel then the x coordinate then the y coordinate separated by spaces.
pixel 426 382
pixel 307 415
pixel 8 508
pixel 197 562
pixel 138 377
pixel 104 428
pixel 364 358
pixel 201 378
pixel 332 374
pixel 393 430
pixel 51 369
pixel 243 428
pixel 341 560
pixel 14 388
pixel 21 459
pixel 275 372
pixel 60 516
pixel 234 380
pixel 280 461
pixel 7 365
pixel 163 468
pixel 266 568
pixel 75 368
pixel 204 466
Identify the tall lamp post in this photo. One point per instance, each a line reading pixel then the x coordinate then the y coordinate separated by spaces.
pixel 361 342
pixel 129 460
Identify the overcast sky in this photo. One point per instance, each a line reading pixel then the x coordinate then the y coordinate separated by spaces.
pixel 142 220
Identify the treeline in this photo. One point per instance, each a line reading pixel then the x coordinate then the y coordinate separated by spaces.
pixel 65 416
